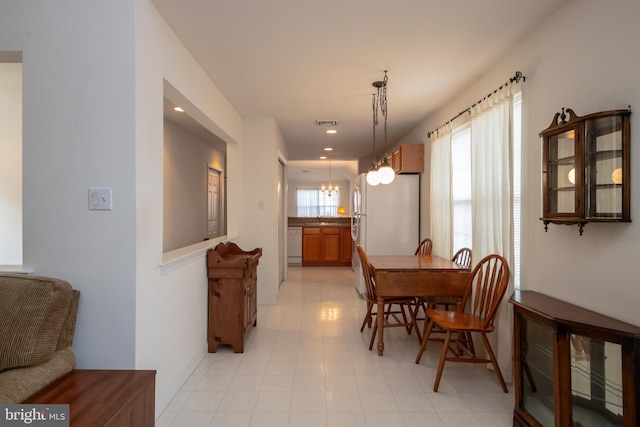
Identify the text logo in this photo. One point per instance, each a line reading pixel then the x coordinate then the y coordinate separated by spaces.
pixel 34 415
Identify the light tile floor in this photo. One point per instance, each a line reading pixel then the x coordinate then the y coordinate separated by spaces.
pixel 307 364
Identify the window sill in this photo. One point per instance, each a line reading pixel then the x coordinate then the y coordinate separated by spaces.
pixel 15 269
pixel 178 258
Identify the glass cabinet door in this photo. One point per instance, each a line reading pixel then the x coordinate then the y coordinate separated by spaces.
pixel 562 173
pixel 596 382
pixel 537 370
pixel 604 167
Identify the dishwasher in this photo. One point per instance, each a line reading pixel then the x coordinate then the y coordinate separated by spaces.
pixel 294 246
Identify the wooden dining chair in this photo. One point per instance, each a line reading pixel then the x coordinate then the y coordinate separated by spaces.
pixel 425 247
pixel 395 309
pixel 485 290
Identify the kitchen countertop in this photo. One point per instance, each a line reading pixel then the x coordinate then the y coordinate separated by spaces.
pixel 323 222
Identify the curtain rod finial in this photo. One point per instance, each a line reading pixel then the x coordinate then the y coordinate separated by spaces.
pixel 518 76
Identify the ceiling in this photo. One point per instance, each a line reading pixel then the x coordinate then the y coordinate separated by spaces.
pixel 300 61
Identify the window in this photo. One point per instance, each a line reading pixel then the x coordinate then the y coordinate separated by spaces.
pixel 313 202
pixel 461 187
pixel 517 175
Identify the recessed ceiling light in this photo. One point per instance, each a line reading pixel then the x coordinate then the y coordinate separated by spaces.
pixel 328 149
pixel 178 109
pixel 332 131
pixel 323 157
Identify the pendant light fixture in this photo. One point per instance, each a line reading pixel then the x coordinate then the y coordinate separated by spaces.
pixel 330 189
pixel 386 173
pixel 373 178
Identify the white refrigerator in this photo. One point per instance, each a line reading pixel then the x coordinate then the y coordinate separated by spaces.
pixel 385 219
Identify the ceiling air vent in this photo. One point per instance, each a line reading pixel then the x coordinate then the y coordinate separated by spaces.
pixel 327 122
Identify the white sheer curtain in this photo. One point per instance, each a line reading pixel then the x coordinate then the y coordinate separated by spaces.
pixel 492 202
pixel 440 203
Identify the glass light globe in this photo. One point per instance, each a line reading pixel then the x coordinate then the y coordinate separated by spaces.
pixel 373 177
pixel 387 175
pixel 616 176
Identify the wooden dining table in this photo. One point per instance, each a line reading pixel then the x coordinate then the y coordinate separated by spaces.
pixel 413 276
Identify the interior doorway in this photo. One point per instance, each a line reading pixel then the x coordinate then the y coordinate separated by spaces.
pixel 214 225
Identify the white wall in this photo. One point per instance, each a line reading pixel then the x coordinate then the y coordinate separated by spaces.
pixel 78 132
pixel 171 303
pixel 93 116
pixel 11 164
pixel 584 57
pixel 260 226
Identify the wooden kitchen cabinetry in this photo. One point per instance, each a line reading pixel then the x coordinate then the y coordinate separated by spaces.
pixel 347 245
pixel 572 366
pixel 408 158
pixel 233 308
pixel 311 245
pixel 323 246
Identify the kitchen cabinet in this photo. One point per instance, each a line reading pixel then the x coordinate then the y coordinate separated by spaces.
pixel 572 366
pixel 233 308
pixel 311 245
pixel 408 158
pixel 331 244
pixel 324 246
pixel 347 245
pixel 586 168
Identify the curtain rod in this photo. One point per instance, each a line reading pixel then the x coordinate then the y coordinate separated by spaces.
pixel 516 78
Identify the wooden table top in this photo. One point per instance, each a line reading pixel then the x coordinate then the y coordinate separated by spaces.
pixel 96 397
pixel 414 262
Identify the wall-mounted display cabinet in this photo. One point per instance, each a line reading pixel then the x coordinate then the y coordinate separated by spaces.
pixel 585 171
pixel 573 367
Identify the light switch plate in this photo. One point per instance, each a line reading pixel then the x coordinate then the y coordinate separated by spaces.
pixel 100 199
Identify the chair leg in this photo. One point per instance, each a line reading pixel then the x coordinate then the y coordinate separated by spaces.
pixel 443 357
pixel 367 318
pixel 373 335
pixel 404 318
pixel 494 362
pixel 425 340
pixel 414 325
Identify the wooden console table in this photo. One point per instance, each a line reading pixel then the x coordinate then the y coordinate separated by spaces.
pixel 233 307
pixel 103 397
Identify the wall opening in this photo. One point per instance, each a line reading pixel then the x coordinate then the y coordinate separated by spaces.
pixel 190 152
pixel 11 247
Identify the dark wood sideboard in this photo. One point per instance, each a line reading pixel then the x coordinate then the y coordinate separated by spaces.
pixel 110 398
pixel 572 366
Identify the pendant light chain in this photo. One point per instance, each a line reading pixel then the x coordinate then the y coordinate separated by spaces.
pixel 375 123
pixel 372 175
pixel 383 174
pixel 382 100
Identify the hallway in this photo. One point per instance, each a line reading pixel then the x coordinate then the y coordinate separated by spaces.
pixel 306 364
